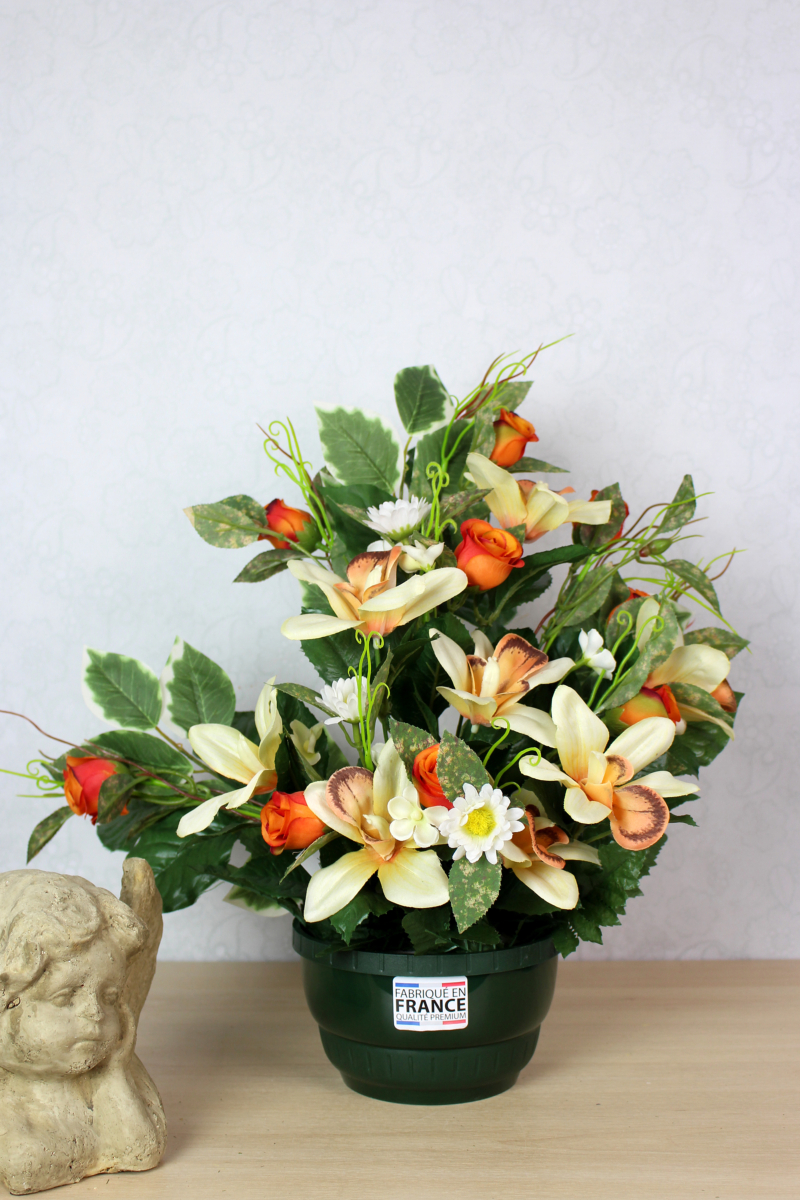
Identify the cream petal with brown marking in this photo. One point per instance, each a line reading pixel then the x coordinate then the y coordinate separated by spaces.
pixel 315 799
pixel 639 816
pixel 348 794
pixel 517 661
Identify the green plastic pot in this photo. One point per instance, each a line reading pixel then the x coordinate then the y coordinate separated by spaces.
pixel 351 997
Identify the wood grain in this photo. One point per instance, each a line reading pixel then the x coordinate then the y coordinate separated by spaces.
pixel 652 1080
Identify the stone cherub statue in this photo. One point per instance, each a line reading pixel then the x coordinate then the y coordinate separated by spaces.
pixel 76 965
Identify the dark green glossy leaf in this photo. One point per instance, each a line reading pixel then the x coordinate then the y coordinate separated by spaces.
pixel 421 398
pixel 332 656
pixel 197 691
pixel 429 449
pixel 46 830
pixel 147 751
pixel 365 904
pixel 265 565
pixel 185 867
pixel 428 929
pixel 121 690
pixel 359 447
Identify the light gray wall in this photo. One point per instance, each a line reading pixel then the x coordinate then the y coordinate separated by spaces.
pixel 213 213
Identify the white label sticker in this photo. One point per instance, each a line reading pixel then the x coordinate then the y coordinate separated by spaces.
pixel 424 1003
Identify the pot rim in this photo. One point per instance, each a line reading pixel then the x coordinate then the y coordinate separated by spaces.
pixel 368 962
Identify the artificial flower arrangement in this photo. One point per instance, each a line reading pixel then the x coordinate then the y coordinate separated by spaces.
pixel 507 783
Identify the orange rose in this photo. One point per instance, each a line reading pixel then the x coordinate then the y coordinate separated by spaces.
pixel 649 702
pixel 83 778
pixel 487 555
pixel 287 823
pixel 511 435
pixel 725 697
pixel 426 780
pixel 291 522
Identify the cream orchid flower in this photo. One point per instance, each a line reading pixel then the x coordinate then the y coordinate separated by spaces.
pixel 540 868
pixel 304 738
pixel 535 505
pixel 370 599
pixel 491 682
pixel 229 753
pixel 597 779
pixel 359 805
pixel 698 665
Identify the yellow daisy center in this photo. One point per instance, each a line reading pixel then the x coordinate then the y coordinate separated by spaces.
pixel 481 822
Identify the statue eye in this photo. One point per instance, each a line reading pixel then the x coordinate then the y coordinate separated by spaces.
pixel 111 996
pixel 61 999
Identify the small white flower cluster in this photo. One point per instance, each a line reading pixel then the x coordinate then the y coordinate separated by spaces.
pixel 397 518
pixel 342 697
pixel 415 557
pixel 411 820
pixel 594 656
pixel 480 822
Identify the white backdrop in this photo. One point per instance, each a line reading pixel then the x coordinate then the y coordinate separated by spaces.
pixel 216 212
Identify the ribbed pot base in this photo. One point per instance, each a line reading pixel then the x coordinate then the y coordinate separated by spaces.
pixel 405 1076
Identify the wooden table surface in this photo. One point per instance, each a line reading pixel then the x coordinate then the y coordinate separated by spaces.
pixel 675 1080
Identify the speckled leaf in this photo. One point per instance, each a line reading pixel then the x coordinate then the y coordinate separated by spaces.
pixel 265 565
pixel 453 506
pixel 589 595
pixel 721 639
pixel 408 741
pixel 46 830
pixel 695 697
pixel 457 765
pixel 474 887
pixel 696 578
pixel 229 523
pixel 682 508
pixel 316 845
pixel 112 796
pixel 598 535
pixel 305 695
pixel 536 464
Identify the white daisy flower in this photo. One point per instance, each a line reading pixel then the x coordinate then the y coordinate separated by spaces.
pixel 480 822
pixel 415 556
pixel 342 697
pixel 594 656
pixel 410 820
pixel 397 518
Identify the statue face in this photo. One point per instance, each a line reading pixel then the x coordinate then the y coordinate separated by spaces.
pixel 66 1022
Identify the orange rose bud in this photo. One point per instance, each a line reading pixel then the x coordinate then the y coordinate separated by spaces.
pixel 724 697
pixel 83 778
pixel 511 435
pixel 649 702
pixel 426 780
pixel 487 555
pixel 287 823
pixel 291 522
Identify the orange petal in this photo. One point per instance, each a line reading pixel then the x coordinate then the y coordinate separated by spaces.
pixel 518 660
pixel 476 667
pixel 619 770
pixel 639 817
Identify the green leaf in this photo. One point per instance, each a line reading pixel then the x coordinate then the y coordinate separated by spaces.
pixel 360 448
pixel 142 748
pixel 696 578
pixel 585 598
pixel 265 906
pixel 121 690
pixel 535 464
pixel 695 697
pixel 311 850
pixel 681 510
pixel 456 505
pixel 598 535
pixel 565 940
pixel 623 619
pixel 265 565
pixel 230 523
pixel 305 695
pixel 185 867
pixel 428 929
pixel 510 396
pixel 112 796
pixel 331 656
pixel 421 398
pixel 457 765
pixel 657 649
pixel 480 936
pixel 429 449
pixel 196 691
pixel 46 830
pixel 409 740
pixel 347 919
pixel 721 639
pixel 474 887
